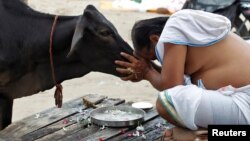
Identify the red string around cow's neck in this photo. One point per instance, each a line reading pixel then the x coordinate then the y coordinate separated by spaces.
pixel 58 92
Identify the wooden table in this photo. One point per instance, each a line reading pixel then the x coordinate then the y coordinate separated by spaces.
pixel 68 124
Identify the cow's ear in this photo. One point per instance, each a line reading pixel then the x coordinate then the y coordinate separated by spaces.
pixel 78 34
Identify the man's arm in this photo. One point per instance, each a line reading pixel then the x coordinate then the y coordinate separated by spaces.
pixel 172 68
pixel 156 67
pixel 170 75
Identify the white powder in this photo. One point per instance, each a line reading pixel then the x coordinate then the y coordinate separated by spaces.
pixel 117 115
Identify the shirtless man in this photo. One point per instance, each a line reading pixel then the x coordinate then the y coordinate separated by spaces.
pixel 199 45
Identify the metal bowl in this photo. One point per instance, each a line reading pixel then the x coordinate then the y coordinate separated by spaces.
pixel 117 116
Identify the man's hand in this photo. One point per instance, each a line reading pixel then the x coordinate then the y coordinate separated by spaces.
pixel 135 69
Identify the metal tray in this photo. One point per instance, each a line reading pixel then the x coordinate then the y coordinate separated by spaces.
pixel 117 116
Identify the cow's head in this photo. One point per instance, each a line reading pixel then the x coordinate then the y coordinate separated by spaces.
pixel 97 43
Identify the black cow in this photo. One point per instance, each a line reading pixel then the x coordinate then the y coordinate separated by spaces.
pixel 93 42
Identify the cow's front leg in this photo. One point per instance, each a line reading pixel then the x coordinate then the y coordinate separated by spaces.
pixel 6 106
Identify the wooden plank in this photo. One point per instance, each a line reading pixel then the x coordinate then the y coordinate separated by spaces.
pixel 75 128
pixel 63 123
pixel 46 118
pixel 109 132
pixel 31 123
pixel 152 131
pixel 49 129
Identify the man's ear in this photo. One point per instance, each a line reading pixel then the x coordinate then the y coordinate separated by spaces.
pixel 154 38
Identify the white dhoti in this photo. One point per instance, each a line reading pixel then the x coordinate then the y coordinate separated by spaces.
pixel 196 107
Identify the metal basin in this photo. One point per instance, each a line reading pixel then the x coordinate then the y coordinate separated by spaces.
pixel 117 116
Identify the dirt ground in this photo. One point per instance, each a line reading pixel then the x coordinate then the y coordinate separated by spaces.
pixel 93 83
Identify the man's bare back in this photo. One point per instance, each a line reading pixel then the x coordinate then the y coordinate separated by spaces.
pixel 226 61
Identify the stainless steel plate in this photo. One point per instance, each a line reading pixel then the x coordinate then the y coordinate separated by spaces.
pixel 117 116
pixel 142 105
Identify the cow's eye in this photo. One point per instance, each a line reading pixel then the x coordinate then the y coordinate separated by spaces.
pixel 105 33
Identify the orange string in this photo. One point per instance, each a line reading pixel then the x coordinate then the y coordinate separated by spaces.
pixel 58 92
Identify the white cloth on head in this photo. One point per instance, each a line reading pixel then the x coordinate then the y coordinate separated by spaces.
pixel 199 107
pixel 193 28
